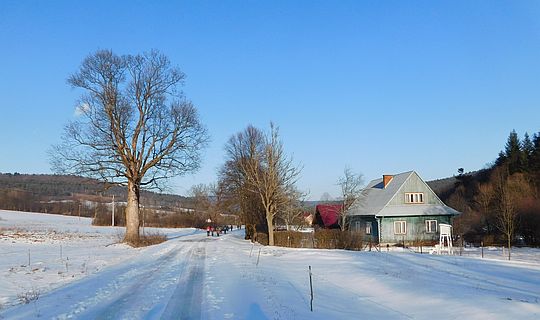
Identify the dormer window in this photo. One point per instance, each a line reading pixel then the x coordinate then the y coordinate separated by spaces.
pixel 414 197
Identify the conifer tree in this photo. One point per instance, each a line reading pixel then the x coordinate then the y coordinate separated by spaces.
pixel 534 158
pixel 527 149
pixel 513 153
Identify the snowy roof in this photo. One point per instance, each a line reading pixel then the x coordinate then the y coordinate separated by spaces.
pixel 375 199
pixel 375 196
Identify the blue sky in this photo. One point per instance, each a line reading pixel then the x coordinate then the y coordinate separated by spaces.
pixel 378 86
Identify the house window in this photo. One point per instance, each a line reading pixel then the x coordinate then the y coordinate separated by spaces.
pixel 400 227
pixel 414 197
pixel 431 226
pixel 356 226
pixel 368 228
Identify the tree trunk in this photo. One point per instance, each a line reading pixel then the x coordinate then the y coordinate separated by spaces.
pixel 132 214
pixel 343 222
pixel 509 245
pixel 270 224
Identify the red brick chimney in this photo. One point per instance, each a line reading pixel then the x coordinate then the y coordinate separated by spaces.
pixel 386 179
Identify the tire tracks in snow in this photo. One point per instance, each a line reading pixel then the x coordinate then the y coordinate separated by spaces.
pixel 143 289
pixel 162 283
pixel 186 300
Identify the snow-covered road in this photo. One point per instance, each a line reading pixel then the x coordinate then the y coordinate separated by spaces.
pixel 192 276
pixel 163 282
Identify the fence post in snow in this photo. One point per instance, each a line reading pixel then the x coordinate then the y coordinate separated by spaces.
pixel 258 256
pixel 252 245
pixel 311 289
pixel 482 246
pixel 112 214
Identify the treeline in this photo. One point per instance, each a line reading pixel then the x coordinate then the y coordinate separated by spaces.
pixel 500 204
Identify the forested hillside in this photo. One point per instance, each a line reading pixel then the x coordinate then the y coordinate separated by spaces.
pixel 65 194
pixel 500 203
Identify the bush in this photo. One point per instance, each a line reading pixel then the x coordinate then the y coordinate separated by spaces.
pixel 320 239
pixel 293 239
pixel 149 239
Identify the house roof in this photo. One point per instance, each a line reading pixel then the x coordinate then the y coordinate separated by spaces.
pixel 375 196
pixel 375 199
pixel 329 213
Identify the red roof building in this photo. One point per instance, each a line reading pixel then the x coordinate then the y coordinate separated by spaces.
pixel 327 215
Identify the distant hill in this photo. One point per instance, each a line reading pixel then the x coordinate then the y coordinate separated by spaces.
pixel 28 191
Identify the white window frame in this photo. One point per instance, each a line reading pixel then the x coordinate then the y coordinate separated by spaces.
pixel 429 228
pixel 357 226
pixel 402 229
pixel 368 227
pixel 414 197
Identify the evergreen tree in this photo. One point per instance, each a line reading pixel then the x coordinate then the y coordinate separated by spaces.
pixel 501 159
pixel 534 158
pixel 527 148
pixel 527 145
pixel 513 153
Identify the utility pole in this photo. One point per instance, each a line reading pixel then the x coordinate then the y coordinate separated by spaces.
pixel 112 210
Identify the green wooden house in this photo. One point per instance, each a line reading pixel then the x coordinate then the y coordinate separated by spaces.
pixel 399 208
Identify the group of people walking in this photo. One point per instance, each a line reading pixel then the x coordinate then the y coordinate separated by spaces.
pixel 216 231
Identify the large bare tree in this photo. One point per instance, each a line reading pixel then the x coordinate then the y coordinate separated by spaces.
pixel 263 169
pixel 272 176
pixel 134 126
pixel 243 147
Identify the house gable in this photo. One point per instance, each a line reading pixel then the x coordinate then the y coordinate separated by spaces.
pixel 415 185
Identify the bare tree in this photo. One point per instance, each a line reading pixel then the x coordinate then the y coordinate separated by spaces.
pixel 207 200
pixel 510 190
pixel 241 148
pixel 272 177
pixel 351 190
pixel 484 199
pixel 200 194
pixel 292 211
pixel 134 127
pixel 263 170
pixel 326 197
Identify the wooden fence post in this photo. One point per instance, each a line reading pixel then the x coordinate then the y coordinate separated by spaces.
pixel 311 289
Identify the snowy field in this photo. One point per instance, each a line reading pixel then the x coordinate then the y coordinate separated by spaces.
pixel 56 267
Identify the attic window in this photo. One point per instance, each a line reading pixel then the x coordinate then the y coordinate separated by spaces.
pixel 414 197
